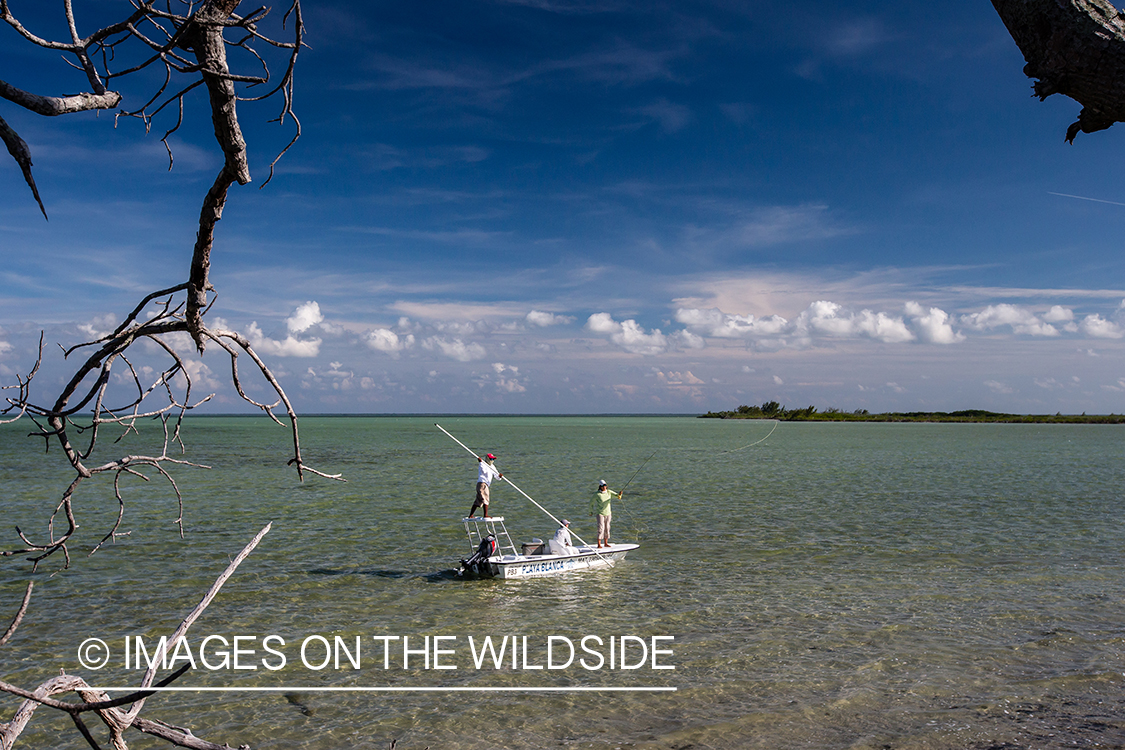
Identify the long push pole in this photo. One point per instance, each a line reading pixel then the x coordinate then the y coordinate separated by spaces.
pixel 529 497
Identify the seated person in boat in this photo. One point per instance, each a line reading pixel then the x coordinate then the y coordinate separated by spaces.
pixel 560 542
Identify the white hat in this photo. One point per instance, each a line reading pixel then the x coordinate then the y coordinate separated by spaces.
pixel 601 483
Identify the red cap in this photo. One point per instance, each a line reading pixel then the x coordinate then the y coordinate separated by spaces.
pixel 491 457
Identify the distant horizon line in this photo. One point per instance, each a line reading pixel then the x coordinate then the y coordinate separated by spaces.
pixel 445 415
pixel 395 689
pixel 448 415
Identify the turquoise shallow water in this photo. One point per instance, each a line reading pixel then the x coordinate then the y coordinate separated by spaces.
pixel 836 586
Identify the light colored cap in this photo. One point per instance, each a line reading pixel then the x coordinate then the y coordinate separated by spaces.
pixel 566 522
pixel 601 483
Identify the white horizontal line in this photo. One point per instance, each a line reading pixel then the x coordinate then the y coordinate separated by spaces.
pixel 309 689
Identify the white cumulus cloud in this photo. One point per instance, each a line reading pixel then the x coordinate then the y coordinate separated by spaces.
pixel 1059 314
pixel 602 323
pixel 544 319
pixel 202 379
pixel 628 334
pixel 304 317
pixel 1020 319
pixel 386 340
pixel 882 327
pixel 715 323
pixel 687 340
pixel 678 378
pixel 933 325
pixel 455 348
pixel 99 325
pixel 290 346
pixel 830 319
pixel 510 385
pixel 1098 327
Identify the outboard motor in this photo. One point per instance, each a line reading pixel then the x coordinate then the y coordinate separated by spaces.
pixel 479 561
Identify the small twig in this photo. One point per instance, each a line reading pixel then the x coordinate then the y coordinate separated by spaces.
pixel 19 614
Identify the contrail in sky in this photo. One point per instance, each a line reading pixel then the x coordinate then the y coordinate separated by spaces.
pixel 1084 198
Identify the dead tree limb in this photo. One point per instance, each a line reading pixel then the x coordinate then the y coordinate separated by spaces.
pixel 196 612
pixel 17 147
pixel 203 45
pixel 191 44
pixel 1075 48
pixel 194 45
pixel 19 614
pixel 107 709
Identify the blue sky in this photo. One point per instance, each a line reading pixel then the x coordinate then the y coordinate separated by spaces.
pixel 575 207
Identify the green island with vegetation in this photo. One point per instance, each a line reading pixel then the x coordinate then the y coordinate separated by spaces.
pixel 774 410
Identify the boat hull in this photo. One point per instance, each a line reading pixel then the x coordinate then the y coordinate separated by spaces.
pixel 534 566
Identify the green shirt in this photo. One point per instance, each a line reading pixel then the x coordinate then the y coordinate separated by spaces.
pixel 599 504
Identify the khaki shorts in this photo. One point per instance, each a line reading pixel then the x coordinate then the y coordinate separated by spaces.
pixel 482 494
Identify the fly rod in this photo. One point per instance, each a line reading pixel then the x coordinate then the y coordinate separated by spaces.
pixel 635 473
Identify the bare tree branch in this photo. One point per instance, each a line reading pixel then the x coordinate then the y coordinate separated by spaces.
pixel 192 48
pixel 195 613
pixel 53 106
pixel 198 33
pixel 1075 48
pixel 107 709
pixel 19 614
pixel 17 147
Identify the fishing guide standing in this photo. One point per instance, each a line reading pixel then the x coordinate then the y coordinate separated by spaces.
pixel 488 472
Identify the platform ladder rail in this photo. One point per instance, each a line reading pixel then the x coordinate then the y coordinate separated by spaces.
pixel 472 528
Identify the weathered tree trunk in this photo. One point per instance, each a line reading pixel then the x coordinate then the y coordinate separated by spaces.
pixel 1076 48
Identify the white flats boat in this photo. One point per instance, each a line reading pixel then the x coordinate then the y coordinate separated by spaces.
pixel 496 556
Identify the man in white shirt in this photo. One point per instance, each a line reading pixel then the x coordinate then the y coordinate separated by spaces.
pixel 488 472
pixel 560 542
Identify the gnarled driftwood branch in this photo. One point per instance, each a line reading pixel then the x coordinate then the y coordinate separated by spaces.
pixel 1075 48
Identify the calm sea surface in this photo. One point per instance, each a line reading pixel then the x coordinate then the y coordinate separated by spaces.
pixel 835 586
